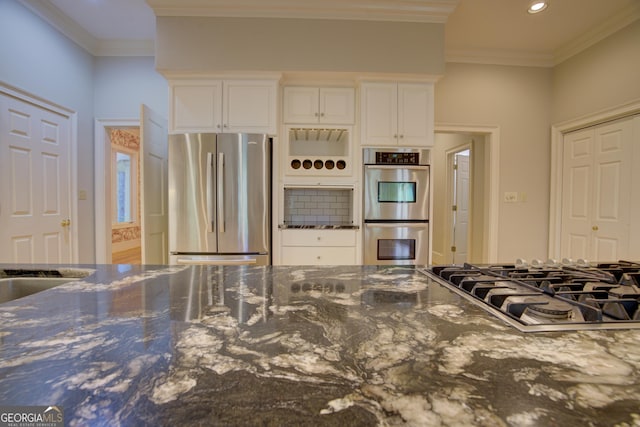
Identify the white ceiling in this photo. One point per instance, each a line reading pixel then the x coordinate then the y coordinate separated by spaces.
pixel 483 31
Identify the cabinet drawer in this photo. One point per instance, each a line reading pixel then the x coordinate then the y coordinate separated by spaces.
pixel 318 237
pixel 324 255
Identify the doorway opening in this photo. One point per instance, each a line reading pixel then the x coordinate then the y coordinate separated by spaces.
pixel 124 176
pixel 464 197
pixel 126 132
pixel 152 186
pixel 458 167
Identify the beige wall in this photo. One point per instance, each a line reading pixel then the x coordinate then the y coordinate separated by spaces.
pixel 516 100
pixel 199 44
pixel 604 76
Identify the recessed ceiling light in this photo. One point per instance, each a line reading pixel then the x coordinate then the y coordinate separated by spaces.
pixel 536 6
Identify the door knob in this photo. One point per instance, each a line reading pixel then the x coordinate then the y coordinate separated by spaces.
pixel 594 228
pixel 65 222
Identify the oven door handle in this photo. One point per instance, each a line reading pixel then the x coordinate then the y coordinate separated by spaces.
pixel 396 167
pixel 396 224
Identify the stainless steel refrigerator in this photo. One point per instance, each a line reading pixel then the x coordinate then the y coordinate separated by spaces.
pixel 220 199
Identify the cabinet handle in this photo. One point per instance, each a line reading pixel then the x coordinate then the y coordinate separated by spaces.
pixel 594 228
pixel 218 126
pixel 316 114
pixel 321 114
pixel 319 238
pixel 318 257
pixel 65 222
pixel 225 125
pixel 401 136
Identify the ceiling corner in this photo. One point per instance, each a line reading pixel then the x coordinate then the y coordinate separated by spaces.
pixel 60 21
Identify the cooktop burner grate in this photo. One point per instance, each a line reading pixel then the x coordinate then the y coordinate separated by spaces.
pixel 551 296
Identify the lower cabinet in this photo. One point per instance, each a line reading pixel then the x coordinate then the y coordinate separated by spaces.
pixel 319 247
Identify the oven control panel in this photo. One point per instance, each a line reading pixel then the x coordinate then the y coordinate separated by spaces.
pixel 395 158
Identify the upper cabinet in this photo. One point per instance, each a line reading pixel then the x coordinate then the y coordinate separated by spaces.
pixel 397 114
pixel 311 105
pixel 230 106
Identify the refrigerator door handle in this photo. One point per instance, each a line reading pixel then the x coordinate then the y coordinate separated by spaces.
pixel 221 221
pixel 209 195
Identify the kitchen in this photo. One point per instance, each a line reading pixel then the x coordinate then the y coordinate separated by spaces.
pixel 457 376
pixel 459 99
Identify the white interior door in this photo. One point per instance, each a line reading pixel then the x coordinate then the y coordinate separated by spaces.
pixel 153 194
pixel 596 192
pixel 461 213
pixel 35 184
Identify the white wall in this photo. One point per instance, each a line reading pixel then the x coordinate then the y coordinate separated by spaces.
pixel 604 76
pixel 517 100
pixel 254 44
pixel 41 61
pixel 123 83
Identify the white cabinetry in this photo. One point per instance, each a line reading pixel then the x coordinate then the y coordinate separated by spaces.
pixel 319 247
pixel 311 105
pixel 397 114
pixel 223 106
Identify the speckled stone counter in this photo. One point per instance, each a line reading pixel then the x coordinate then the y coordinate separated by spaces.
pixel 344 346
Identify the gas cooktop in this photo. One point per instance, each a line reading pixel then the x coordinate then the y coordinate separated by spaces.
pixel 552 296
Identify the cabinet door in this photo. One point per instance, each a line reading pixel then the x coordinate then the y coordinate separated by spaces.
pixel 415 115
pixel 379 114
pixel 195 106
pixel 250 106
pixel 337 105
pixel 301 105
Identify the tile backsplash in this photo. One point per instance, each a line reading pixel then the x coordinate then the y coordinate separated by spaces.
pixel 311 206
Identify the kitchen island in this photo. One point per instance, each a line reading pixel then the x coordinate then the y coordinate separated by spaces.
pixel 357 346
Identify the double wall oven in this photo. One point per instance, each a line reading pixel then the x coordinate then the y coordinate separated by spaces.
pixel 396 206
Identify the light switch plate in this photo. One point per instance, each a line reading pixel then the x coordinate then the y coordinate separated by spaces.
pixel 510 196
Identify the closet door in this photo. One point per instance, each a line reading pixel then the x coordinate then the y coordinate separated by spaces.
pixel 596 192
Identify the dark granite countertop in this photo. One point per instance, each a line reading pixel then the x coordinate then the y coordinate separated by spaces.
pixel 169 346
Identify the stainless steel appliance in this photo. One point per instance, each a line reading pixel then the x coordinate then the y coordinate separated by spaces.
pixel 552 296
pixel 220 199
pixel 396 206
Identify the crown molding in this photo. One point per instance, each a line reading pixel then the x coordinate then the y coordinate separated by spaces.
pixel 614 24
pixel 499 57
pixel 537 59
pixel 426 11
pixel 434 11
pixel 61 22
pixel 96 47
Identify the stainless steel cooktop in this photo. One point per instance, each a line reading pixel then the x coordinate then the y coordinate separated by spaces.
pixel 552 296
